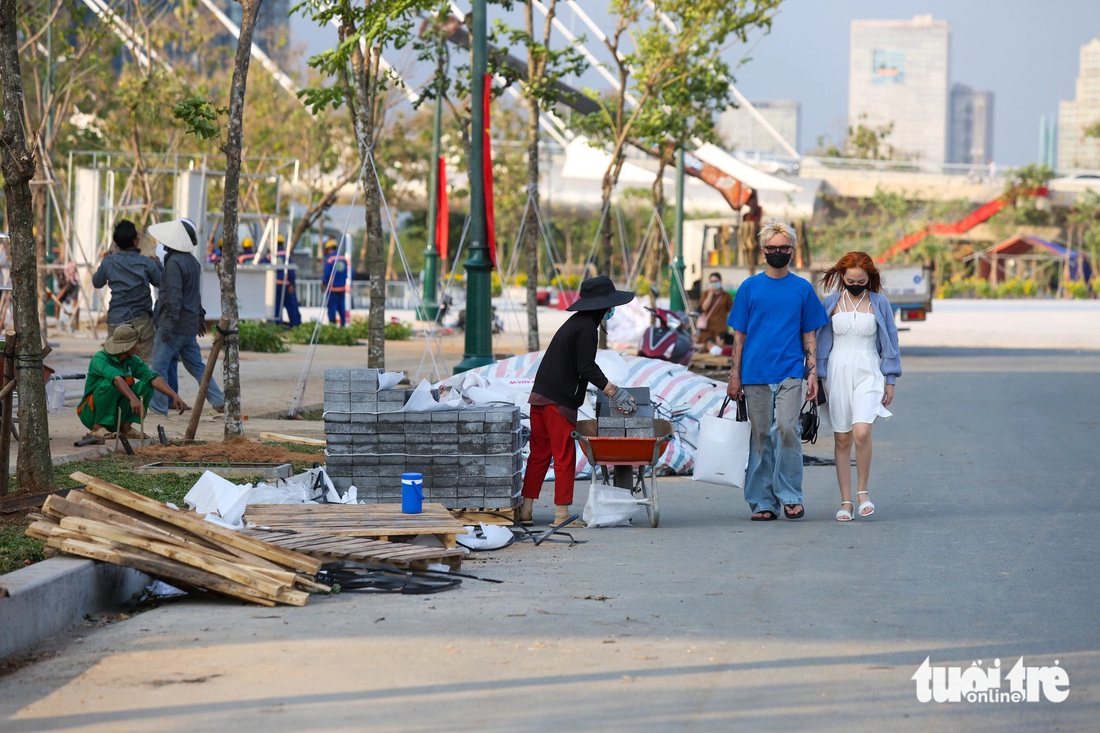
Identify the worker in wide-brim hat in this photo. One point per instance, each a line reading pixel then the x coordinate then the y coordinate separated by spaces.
pixel 179 314
pixel 561 386
pixel 118 388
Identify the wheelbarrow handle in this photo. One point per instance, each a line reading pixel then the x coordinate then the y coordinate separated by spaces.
pixel 586 447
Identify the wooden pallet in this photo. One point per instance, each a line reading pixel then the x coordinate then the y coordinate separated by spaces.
pixel 708 365
pixel 330 547
pixel 379 521
pixel 484 515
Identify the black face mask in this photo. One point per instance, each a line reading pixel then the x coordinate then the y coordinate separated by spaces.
pixel 778 260
pixel 855 289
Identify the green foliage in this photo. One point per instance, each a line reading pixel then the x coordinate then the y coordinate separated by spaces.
pixel 261 336
pixel 1093 130
pixel 398 331
pixel 1077 289
pixel 200 117
pixel 16 549
pixel 329 334
pixel 976 287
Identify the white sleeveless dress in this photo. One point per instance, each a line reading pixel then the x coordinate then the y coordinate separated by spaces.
pixel 854 382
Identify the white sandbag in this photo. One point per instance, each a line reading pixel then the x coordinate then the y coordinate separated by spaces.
pixel 609 506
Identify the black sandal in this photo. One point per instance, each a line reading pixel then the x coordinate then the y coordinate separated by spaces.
pixel 794 515
pixel 765 516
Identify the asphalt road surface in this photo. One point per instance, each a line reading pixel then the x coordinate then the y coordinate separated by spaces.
pixel 983 548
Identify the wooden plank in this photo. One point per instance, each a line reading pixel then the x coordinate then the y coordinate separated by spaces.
pixel 165 569
pixel 281 438
pixel 243 574
pixel 198 526
pixel 97 505
pixel 358 520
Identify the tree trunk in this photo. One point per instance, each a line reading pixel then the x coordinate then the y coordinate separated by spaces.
pixel 364 74
pixel 227 273
pixel 39 202
pixel 532 232
pixel 34 466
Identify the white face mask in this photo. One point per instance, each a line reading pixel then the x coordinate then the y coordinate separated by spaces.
pixel 610 312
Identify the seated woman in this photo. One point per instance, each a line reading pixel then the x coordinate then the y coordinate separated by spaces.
pixel 118 389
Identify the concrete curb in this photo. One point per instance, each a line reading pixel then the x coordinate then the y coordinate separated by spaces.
pixel 49 596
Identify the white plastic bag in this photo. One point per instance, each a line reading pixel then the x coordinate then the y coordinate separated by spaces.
pixel 609 506
pixel 723 453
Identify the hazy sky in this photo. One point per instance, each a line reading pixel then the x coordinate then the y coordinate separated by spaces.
pixel 1025 51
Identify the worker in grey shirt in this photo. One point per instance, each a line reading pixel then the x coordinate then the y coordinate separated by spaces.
pixel 129 275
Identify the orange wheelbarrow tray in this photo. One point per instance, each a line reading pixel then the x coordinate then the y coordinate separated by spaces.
pixel 628 459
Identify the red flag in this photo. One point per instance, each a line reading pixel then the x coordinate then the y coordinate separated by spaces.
pixel 490 227
pixel 442 214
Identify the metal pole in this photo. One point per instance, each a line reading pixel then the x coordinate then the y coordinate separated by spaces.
pixel 479 336
pixel 429 311
pixel 676 267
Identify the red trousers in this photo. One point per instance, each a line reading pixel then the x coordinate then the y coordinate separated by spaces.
pixel 551 436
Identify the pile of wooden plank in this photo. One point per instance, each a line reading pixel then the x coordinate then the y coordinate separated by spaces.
pixel 108 523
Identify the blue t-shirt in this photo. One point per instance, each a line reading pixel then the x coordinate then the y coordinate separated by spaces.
pixel 773 314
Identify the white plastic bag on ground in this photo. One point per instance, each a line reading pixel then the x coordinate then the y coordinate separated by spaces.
pixel 389 380
pixel 214 494
pixel 421 400
pixel 609 506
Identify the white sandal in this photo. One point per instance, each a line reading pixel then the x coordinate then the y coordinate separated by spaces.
pixel 865 504
pixel 844 515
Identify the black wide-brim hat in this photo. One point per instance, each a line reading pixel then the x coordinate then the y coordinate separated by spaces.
pixel 599 293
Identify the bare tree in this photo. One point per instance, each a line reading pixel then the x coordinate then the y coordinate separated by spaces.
pixel 34 467
pixel 227 274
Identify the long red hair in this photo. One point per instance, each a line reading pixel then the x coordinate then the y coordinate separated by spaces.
pixel 862 260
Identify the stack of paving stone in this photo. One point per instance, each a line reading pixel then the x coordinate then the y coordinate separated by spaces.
pixel 610 423
pixel 469 458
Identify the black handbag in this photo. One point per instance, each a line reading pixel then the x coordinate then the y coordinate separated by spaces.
pixel 808 422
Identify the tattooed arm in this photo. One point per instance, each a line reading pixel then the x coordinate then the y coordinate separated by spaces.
pixel 735 386
pixel 809 347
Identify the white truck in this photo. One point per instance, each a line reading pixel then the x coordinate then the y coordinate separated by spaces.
pixel 909 287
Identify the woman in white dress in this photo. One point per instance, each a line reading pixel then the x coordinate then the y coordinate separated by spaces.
pixel 859 358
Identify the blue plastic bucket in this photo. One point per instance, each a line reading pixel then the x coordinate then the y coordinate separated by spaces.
pixel 412 493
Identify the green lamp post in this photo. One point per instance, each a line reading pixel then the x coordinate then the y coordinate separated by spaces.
pixel 479 335
pixel 429 310
pixel 676 267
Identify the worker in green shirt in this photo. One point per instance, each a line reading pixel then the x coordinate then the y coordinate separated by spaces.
pixel 118 389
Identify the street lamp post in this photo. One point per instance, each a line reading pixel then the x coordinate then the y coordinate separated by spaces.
pixel 429 311
pixel 677 267
pixel 479 336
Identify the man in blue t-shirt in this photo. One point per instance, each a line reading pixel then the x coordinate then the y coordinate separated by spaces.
pixel 774 319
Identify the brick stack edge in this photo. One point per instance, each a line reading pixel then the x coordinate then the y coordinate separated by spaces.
pixel 469 458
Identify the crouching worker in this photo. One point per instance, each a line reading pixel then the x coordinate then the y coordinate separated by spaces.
pixel 118 389
pixel 561 386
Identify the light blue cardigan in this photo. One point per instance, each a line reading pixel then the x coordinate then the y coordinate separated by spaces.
pixel 887 337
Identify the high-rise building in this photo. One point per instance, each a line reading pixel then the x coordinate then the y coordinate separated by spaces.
pixel 739 129
pixel 898 72
pixel 1075 148
pixel 272 31
pixel 971 138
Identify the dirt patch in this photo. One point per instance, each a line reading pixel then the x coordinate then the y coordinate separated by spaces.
pixel 238 450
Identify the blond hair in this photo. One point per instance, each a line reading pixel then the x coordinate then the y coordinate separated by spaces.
pixel 774 227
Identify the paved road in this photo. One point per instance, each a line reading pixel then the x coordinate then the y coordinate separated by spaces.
pixel 984 547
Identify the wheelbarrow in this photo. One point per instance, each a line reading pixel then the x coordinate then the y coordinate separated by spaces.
pixel 622 462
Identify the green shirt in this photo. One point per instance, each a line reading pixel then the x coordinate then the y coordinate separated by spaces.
pixel 105 367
